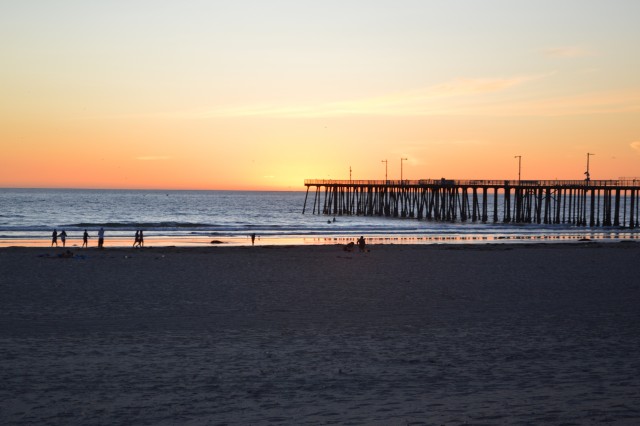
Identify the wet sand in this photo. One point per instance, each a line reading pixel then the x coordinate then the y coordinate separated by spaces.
pixel 402 334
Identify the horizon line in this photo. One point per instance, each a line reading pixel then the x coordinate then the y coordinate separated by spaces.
pixel 66 188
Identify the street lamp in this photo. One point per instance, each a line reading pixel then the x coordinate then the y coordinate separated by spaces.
pixel 519 157
pixel 587 172
pixel 386 164
pixel 401 160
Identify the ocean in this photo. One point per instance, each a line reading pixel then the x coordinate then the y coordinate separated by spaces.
pixel 192 218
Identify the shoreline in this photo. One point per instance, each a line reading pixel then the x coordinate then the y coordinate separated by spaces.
pixel 389 243
pixel 268 240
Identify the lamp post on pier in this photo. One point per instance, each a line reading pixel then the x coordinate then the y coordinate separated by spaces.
pixel 401 160
pixel 386 163
pixel 519 157
pixel 587 172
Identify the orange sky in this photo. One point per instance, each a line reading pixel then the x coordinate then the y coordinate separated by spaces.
pixel 211 95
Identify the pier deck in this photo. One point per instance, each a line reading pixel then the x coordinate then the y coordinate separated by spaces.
pixel 578 202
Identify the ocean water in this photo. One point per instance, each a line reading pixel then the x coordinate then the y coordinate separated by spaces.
pixel 199 217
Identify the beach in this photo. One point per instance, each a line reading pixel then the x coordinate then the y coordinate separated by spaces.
pixel 399 334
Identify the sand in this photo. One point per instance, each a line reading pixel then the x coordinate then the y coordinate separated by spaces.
pixel 478 334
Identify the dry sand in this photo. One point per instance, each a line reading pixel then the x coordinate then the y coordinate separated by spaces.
pixel 493 334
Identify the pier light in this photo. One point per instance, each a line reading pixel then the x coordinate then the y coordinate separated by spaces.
pixel 386 164
pixel 401 160
pixel 588 178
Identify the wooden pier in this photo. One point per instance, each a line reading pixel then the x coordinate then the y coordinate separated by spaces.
pixel 591 203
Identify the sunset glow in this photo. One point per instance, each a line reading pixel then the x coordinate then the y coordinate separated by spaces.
pixel 262 95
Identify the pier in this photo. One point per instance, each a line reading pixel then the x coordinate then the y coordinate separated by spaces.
pixel 591 203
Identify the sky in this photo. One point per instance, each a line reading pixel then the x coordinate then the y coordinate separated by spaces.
pixel 261 95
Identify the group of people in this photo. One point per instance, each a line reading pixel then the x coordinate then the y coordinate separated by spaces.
pixel 85 238
pixel 62 235
pixel 362 245
pixel 139 239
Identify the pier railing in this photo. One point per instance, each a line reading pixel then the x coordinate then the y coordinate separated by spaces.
pixel 577 202
pixel 474 182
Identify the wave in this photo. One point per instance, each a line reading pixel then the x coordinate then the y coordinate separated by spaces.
pixel 137 225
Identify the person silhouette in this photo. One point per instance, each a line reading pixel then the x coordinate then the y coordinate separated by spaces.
pixel 253 239
pixel 141 239
pixel 101 238
pixel 361 243
pixel 54 238
pixel 136 240
pixel 85 239
pixel 63 238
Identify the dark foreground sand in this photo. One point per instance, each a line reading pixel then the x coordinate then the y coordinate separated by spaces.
pixel 501 334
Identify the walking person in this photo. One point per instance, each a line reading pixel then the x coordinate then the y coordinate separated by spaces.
pixel 136 240
pixel 63 238
pixel 85 239
pixel 54 238
pixel 253 238
pixel 101 238
pixel 141 239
